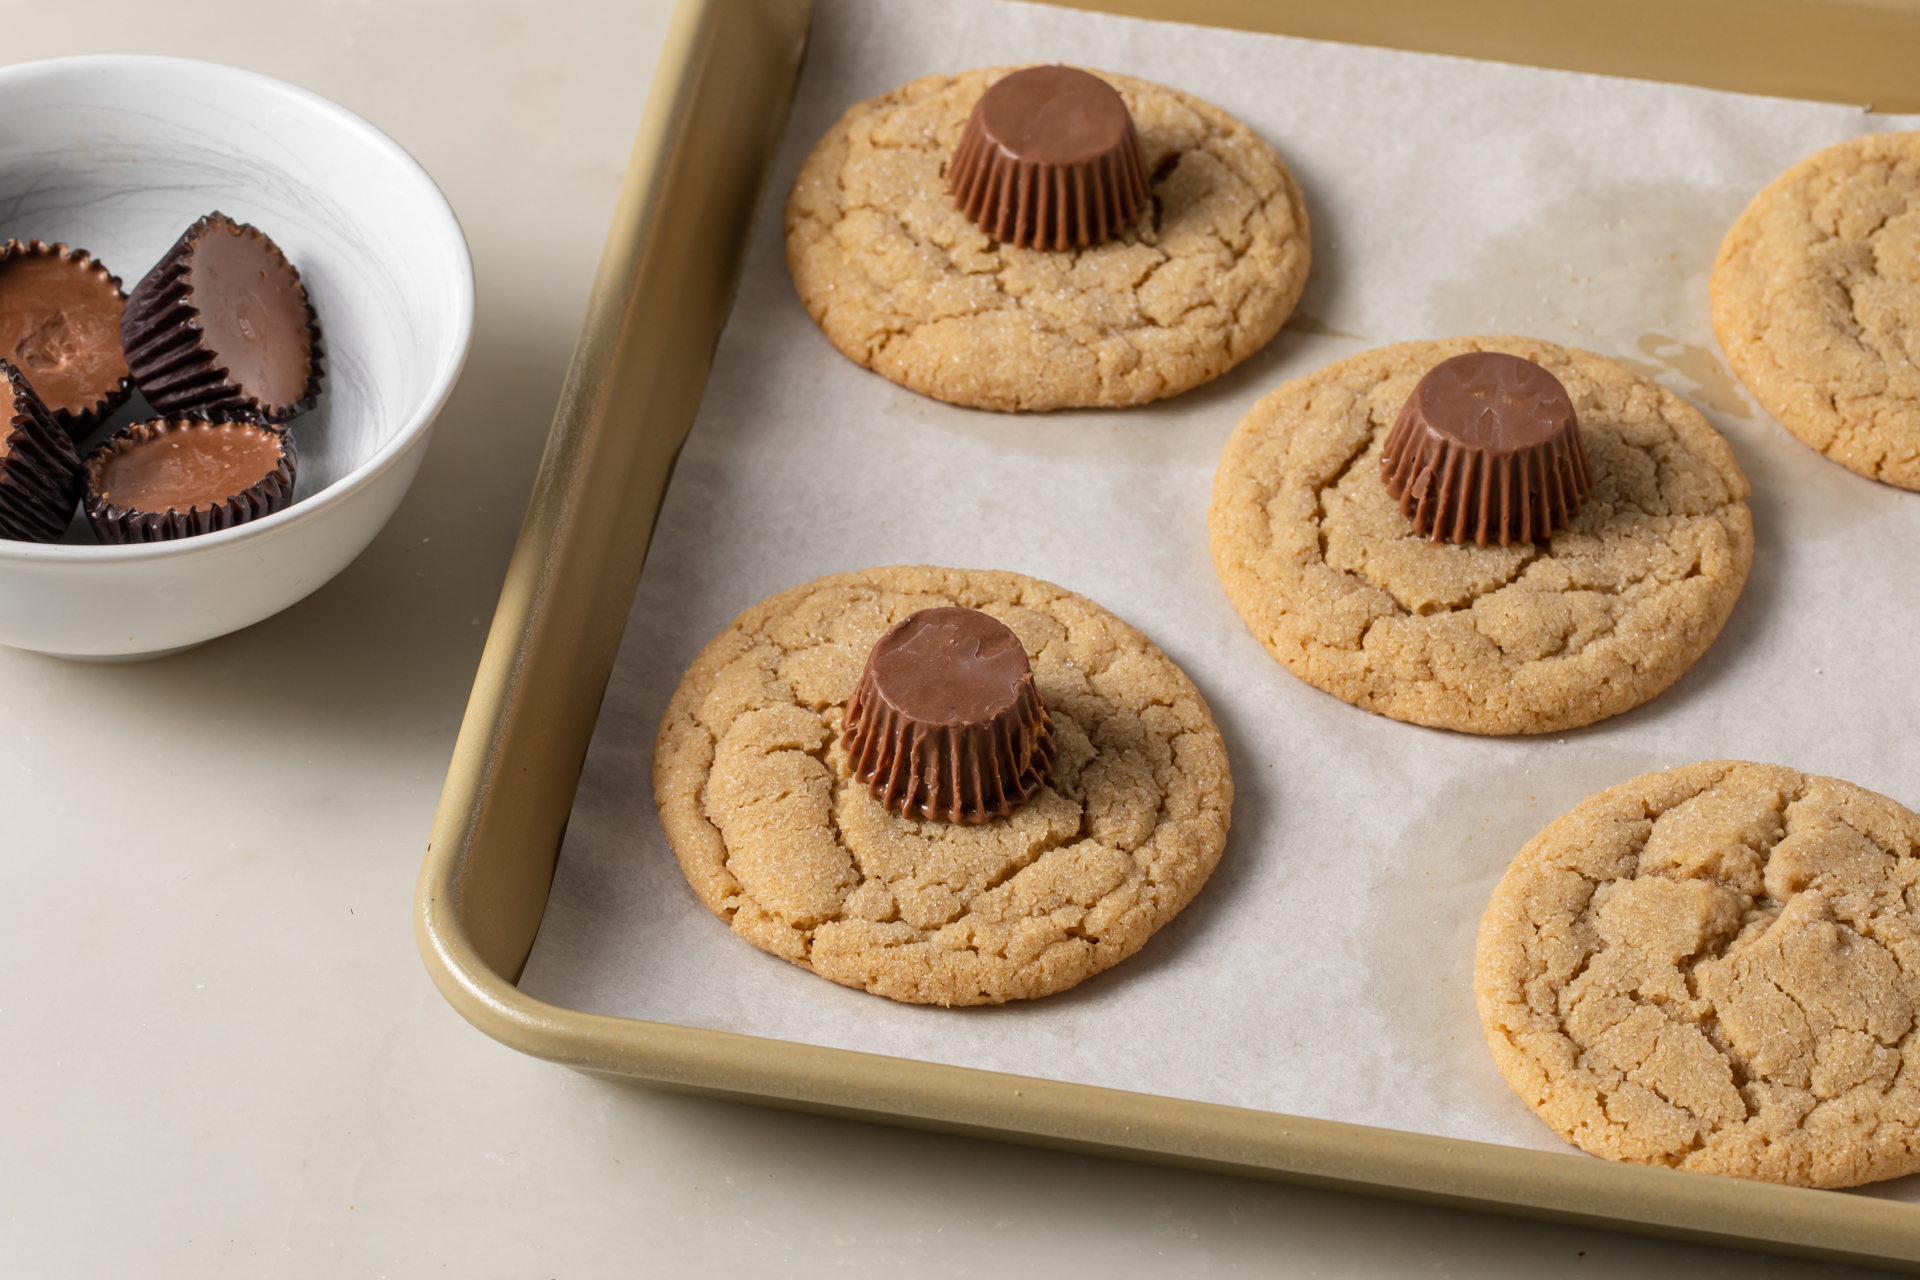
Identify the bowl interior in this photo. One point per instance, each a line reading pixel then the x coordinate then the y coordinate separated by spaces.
pixel 119 155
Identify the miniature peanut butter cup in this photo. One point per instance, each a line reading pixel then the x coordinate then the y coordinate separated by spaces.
pixel 1487 449
pixel 221 327
pixel 1050 159
pixel 946 722
pixel 176 479
pixel 39 470
pixel 60 326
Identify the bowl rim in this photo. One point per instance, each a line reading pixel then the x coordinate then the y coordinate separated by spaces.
pixel 390 452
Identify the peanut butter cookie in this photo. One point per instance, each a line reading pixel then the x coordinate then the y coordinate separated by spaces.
pixel 1716 968
pixel 1816 301
pixel 903 284
pixel 777 838
pixel 1530 638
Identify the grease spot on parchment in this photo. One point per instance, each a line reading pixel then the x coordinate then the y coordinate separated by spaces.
pixel 1713 386
pixel 1596 271
pixel 1623 273
pixel 1314 326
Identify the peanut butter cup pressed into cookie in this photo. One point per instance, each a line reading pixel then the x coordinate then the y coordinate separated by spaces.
pixel 1487 449
pixel 60 326
pixel 1716 968
pixel 1816 301
pixel 1050 160
pixel 1344 590
pixel 945 722
pixel 222 327
pixel 885 239
pixel 758 778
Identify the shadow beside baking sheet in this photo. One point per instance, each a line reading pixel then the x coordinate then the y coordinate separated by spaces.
pixel 1326 968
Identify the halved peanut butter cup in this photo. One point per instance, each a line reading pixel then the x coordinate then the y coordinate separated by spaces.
pixel 179 478
pixel 60 313
pixel 39 470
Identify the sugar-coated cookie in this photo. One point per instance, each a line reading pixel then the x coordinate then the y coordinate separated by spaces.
pixel 1816 301
pixel 1716 968
pixel 777 838
pixel 903 284
pixel 1531 638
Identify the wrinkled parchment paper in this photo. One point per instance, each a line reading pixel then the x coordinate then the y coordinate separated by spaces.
pixel 1326 968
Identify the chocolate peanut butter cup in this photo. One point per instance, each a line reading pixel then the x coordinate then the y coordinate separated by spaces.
pixel 1487 449
pixel 221 327
pixel 946 722
pixel 176 479
pixel 1050 159
pixel 60 316
pixel 39 470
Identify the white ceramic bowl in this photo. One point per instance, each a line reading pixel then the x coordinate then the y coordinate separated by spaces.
pixel 118 155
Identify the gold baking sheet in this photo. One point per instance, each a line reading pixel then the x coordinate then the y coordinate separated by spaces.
pixel 1857 51
pixel 631 396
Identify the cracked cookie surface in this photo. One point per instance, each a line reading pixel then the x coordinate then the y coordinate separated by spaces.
pixel 1716 968
pixel 901 283
pixel 776 837
pixel 1816 301
pixel 1328 575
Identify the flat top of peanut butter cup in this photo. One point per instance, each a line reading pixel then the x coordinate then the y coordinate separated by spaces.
pixel 949 666
pixel 252 311
pixel 188 464
pixel 1054 115
pixel 1492 401
pixel 60 324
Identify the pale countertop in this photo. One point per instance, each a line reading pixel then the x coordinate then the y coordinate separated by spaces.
pixel 219 1052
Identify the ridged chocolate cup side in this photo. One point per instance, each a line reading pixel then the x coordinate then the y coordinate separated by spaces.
pixel 39 470
pixel 113 523
pixel 1035 174
pixel 1487 449
pixel 166 346
pixel 77 420
pixel 967 769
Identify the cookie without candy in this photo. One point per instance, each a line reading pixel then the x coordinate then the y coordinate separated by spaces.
pixel 901 283
pixel 1816 301
pixel 1716 968
pixel 1328 575
pixel 777 838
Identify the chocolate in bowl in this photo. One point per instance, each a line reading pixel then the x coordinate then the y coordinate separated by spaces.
pixel 150 144
pixel 178 478
pixel 222 327
pixel 39 470
pixel 60 312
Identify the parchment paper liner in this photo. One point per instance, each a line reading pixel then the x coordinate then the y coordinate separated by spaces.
pixel 1377 841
